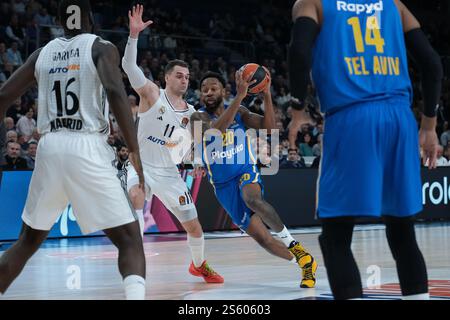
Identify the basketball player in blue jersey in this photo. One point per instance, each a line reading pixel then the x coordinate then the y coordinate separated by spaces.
pixel 371 163
pixel 237 184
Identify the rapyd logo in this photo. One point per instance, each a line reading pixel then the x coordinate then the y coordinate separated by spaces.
pixel 436 192
pixel 368 8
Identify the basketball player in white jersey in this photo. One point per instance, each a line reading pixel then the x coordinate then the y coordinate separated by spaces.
pixel 164 138
pixel 75 74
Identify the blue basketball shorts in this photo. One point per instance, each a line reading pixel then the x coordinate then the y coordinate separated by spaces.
pixel 229 195
pixel 370 162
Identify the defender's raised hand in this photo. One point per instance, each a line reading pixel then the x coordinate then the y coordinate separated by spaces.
pixel 136 23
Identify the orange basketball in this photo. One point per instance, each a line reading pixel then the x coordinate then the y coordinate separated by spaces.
pixel 259 74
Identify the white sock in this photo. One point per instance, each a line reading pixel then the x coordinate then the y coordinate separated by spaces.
pixel 134 287
pixel 286 237
pixel 421 296
pixel 197 246
pixel 140 215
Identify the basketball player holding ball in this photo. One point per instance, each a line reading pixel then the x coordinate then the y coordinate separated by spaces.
pixel 237 184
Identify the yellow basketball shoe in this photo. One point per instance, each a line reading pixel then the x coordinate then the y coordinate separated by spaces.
pixel 306 262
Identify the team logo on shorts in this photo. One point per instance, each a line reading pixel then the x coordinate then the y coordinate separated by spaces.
pixel 162 110
pixel 184 122
pixel 182 200
pixel 244 177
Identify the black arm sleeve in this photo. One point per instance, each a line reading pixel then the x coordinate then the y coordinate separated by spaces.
pixel 304 33
pixel 429 63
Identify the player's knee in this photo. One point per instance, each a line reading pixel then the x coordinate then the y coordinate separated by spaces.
pixel 137 197
pixel 30 241
pixel 400 234
pixel 254 203
pixel 127 236
pixel 336 237
pixel 130 242
pixel 324 246
pixel 193 228
pixel 28 244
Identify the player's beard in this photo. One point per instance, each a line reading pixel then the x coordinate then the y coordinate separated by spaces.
pixel 213 106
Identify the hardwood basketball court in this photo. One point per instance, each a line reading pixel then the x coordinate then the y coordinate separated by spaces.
pixel 86 268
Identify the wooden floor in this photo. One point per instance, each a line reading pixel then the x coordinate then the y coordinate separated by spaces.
pixel 87 269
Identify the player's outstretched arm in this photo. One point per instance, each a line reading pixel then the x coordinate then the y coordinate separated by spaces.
pixel 19 82
pixel 146 89
pixel 107 60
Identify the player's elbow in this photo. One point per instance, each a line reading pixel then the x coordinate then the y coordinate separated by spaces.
pixel 427 59
pixel 268 124
pixel 431 68
pixel 110 86
pixel 113 93
pixel 4 104
pixel 299 58
pixel 128 66
pixel 3 101
pixel 125 64
pixel 298 49
pixel 435 66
